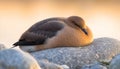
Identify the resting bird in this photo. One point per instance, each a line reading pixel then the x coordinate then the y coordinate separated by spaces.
pixel 56 32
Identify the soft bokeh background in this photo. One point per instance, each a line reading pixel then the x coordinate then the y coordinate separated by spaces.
pixel 102 16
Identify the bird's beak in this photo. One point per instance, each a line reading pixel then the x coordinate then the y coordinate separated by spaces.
pixel 84 30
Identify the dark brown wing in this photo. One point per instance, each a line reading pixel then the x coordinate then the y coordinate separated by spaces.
pixel 39 32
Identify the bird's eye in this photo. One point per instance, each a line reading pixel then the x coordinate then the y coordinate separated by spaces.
pixel 75 23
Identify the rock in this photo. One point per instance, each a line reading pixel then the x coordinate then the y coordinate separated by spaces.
pixel 45 64
pixel 65 67
pixel 102 49
pixel 94 66
pixel 2 47
pixel 115 63
pixel 16 59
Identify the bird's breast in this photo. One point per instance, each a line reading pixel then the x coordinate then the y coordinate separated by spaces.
pixel 69 37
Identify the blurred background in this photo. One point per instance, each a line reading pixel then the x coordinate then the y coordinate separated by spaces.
pixel 16 16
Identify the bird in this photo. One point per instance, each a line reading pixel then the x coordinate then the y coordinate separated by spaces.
pixel 56 32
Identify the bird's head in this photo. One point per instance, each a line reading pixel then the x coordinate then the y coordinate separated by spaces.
pixel 78 22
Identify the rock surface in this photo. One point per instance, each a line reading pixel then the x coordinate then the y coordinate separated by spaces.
pixel 2 47
pixel 45 64
pixel 16 59
pixel 94 66
pixel 102 49
pixel 115 63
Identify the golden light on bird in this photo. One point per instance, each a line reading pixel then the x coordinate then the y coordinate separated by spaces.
pixel 16 16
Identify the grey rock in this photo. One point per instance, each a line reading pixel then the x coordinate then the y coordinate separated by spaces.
pixel 17 59
pixel 94 66
pixel 102 49
pixel 2 47
pixel 115 63
pixel 65 67
pixel 45 64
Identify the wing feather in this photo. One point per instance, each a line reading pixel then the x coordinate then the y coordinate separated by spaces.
pixel 38 33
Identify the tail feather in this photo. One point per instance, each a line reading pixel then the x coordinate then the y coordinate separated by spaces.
pixel 16 44
pixel 25 43
pixel 19 43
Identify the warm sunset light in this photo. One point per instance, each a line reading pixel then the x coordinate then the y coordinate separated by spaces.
pixel 104 25
pixel 102 16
